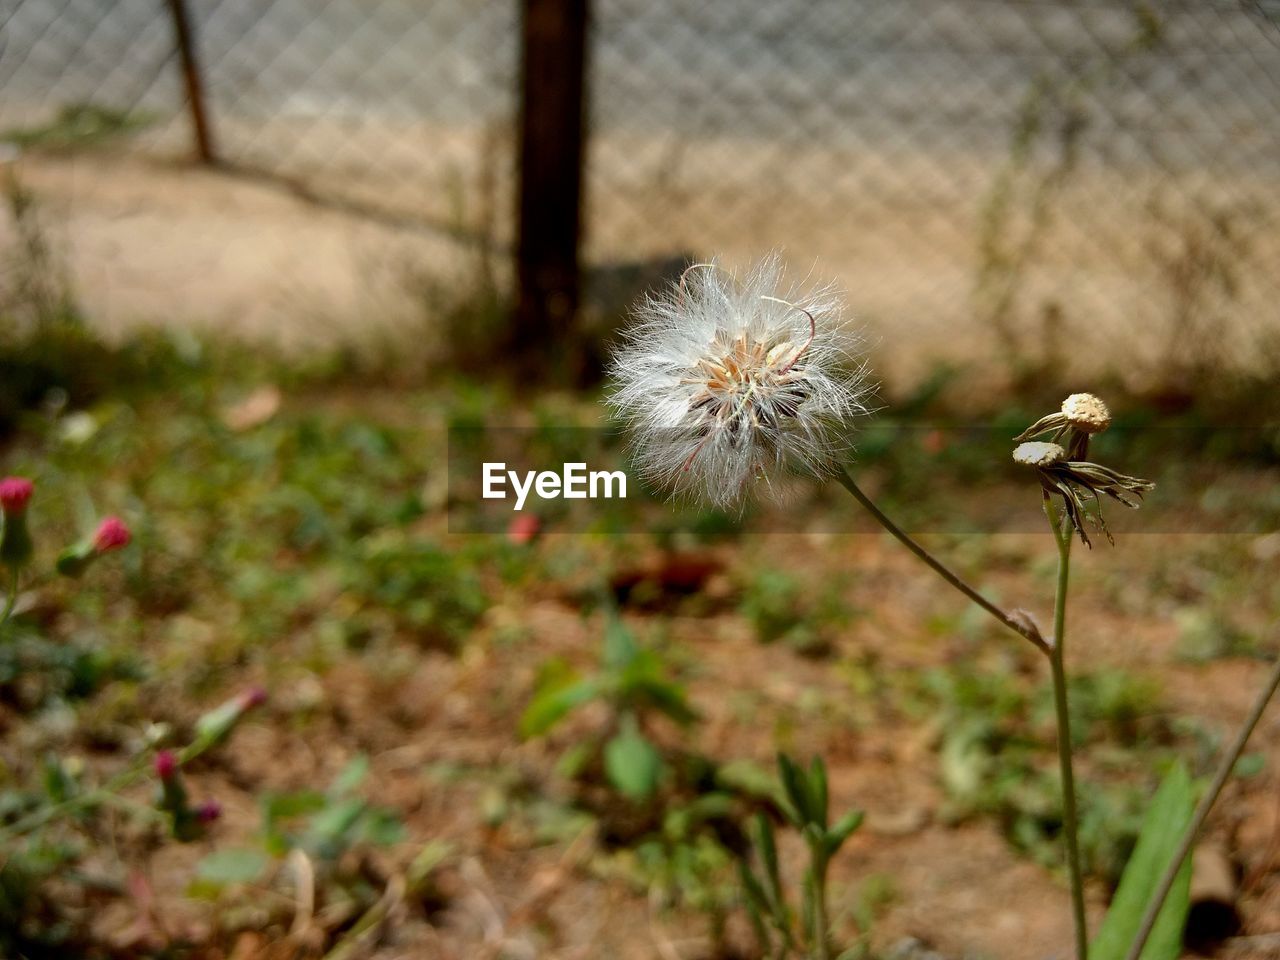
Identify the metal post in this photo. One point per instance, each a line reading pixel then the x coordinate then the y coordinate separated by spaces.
pixel 193 81
pixel 553 72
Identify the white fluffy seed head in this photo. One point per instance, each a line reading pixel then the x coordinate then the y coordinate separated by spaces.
pixel 728 384
pixel 1086 413
pixel 1038 454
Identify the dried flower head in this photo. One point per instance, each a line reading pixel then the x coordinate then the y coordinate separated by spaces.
pixel 1086 413
pixel 1076 480
pixel 725 383
pixel 1038 454
pixel 1080 417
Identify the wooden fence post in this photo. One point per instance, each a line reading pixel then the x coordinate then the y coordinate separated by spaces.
pixel 193 81
pixel 553 95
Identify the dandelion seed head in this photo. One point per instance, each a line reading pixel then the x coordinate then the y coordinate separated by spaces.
pixel 1086 413
pixel 727 384
pixel 1038 454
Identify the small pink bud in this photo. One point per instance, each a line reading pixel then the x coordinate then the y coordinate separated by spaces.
pixel 208 811
pixel 523 528
pixel 112 535
pixel 255 696
pixel 166 764
pixel 935 441
pixel 14 494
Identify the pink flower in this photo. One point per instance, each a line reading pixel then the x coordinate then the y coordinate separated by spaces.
pixel 523 528
pixel 208 811
pixel 14 494
pixel 253 697
pixel 112 535
pixel 166 764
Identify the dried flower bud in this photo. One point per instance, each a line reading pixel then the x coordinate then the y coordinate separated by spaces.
pixel 1081 416
pixel 112 534
pixel 15 492
pixel 1086 413
pixel 1038 454
pixel 1077 480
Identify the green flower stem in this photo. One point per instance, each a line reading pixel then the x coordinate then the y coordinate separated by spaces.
pixel 101 795
pixel 1225 767
pixel 1062 535
pixel 820 942
pixel 39 818
pixel 12 599
pixel 1020 625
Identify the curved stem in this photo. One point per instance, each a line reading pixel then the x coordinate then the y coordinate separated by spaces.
pixel 1225 767
pixel 88 799
pixel 1022 626
pixel 1062 535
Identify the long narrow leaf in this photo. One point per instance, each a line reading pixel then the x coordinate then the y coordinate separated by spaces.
pixel 1162 829
pixel 550 707
pixel 794 782
pixel 768 849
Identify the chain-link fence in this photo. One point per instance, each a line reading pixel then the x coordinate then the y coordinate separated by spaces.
pixel 1028 170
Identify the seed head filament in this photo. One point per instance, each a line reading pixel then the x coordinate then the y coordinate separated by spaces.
pixel 745 385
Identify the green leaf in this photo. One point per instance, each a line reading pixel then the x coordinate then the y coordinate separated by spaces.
pixel 632 763
pixel 352 775
pixel 620 647
pixel 768 848
pixel 285 806
pixel 382 827
pixel 335 820
pixel 818 791
pixel 662 695
pixel 842 830
pixel 793 781
pixel 1250 765
pixel 1166 820
pixel 549 707
pixel 225 867
pixel 757 906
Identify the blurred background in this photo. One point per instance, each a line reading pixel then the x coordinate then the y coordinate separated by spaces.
pixel 1035 182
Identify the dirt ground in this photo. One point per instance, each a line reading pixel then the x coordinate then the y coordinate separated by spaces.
pixel 959 888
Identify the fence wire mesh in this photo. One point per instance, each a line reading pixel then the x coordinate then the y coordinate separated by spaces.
pixel 1028 170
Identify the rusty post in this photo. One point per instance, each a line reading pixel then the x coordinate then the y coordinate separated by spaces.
pixel 552 142
pixel 192 80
